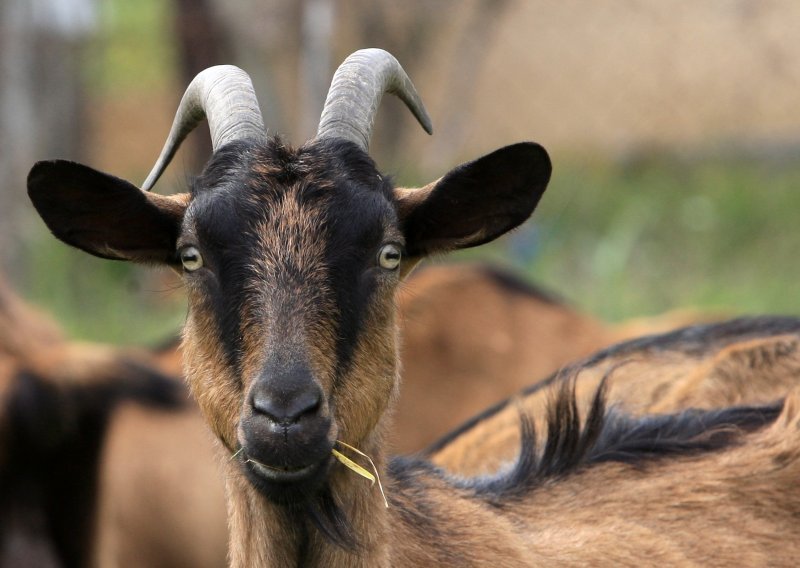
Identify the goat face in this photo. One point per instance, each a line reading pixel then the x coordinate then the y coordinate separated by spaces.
pixel 291 259
pixel 291 308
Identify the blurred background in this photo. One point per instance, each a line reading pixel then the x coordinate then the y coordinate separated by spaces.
pixel 673 127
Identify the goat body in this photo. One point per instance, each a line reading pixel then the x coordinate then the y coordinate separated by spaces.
pixel 73 420
pixel 743 361
pixel 474 335
pixel 148 513
pixel 51 439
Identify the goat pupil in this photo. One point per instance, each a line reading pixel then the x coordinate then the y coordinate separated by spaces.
pixel 389 257
pixel 190 257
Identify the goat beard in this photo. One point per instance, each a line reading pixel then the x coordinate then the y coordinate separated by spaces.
pixel 322 512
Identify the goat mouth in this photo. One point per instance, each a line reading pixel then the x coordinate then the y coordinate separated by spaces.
pixel 281 474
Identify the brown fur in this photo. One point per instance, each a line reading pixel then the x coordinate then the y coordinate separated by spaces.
pixel 648 380
pixel 473 336
pixel 161 501
pixel 149 450
pixel 731 508
pixel 141 516
pixel 742 500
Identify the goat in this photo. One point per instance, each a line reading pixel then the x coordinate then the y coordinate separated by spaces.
pixel 56 398
pixel 474 335
pixel 291 259
pixel 143 512
pixel 150 513
pixel 748 361
pixel 73 419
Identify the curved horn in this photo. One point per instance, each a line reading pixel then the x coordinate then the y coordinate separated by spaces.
pixel 225 95
pixel 356 92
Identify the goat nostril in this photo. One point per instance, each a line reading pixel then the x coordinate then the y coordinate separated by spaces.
pixel 286 409
pixel 306 403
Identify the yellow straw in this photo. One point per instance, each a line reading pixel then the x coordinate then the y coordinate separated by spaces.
pixel 354 466
pixel 347 462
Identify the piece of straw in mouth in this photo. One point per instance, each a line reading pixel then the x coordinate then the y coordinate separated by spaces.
pixel 363 472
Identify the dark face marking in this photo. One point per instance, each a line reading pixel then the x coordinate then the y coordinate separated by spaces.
pixel 291 281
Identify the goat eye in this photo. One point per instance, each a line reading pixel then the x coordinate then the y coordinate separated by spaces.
pixel 389 257
pixel 191 259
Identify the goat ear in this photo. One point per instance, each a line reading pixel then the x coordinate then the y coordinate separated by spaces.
pixel 475 202
pixel 104 215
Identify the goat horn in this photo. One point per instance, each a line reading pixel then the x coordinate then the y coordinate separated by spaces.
pixel 225 95
pixel 356 92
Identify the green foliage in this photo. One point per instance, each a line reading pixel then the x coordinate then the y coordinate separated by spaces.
pixel 103 300
pixel 133 51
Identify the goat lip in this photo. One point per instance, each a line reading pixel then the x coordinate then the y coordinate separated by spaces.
pixel 281 474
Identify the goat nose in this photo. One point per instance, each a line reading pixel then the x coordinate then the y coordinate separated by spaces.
pixel 286 409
